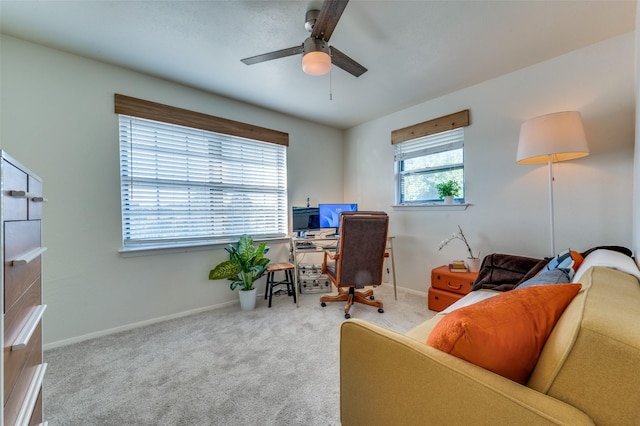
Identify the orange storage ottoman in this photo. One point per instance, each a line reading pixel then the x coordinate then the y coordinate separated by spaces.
pixel 440 300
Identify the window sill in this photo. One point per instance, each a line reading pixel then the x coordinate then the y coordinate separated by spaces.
pixel 152 250
pixel 432 206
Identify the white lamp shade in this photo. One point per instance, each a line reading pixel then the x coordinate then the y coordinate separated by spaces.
pixel 560 135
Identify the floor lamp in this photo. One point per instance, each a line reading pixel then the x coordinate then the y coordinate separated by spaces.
pixel 548 139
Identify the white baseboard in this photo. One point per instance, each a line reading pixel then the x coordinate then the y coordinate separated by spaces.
pixel 414 292
pixel 132 326
pixel 127 327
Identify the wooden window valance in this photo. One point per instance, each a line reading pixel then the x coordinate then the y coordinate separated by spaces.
pixel 159 112
pixel 431 127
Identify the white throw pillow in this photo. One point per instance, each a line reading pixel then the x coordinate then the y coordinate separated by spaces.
pixel 609 258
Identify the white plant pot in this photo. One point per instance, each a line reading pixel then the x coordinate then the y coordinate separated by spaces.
pixel 473 264
pixel 248 299
pixel 448 199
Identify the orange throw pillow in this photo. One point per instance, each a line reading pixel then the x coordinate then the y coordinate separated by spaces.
pixel 504 334
pixel 577 259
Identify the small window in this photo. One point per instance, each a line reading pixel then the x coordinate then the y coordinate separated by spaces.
pixel 423 162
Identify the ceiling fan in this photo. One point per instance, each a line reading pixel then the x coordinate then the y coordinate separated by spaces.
pixel 317 55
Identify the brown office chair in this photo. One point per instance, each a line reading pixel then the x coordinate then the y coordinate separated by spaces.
pixel 359 259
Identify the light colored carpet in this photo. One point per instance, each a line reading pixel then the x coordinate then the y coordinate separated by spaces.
pixel 277 366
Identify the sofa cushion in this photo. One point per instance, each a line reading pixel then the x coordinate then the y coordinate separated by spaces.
pixel 506 333
pixel 592 356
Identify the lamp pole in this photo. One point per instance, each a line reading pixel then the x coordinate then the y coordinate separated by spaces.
pixel 551 222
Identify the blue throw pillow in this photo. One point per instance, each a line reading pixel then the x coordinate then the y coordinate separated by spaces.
pixel 559 259
pixel 564 260
pixel 554 276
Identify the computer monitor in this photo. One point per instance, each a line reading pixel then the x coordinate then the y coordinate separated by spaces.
pixel 304 219
pixel 330 214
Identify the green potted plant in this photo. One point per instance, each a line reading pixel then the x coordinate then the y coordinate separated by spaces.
pixel 448 189
pixel 246 264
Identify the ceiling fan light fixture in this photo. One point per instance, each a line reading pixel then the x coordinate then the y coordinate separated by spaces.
pixel 316 59
pixel 317 56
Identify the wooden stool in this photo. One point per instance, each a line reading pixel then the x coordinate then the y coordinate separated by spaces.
pixel 288 269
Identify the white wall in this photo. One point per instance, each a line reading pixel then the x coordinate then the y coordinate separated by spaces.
pixel 58 120
pixel 510 210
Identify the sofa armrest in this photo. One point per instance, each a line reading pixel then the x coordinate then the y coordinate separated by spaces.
pixel 387 378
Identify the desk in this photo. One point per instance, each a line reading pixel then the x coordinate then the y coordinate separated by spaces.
pixel 300 246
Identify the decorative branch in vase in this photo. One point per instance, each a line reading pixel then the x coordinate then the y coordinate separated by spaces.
pixel 473 262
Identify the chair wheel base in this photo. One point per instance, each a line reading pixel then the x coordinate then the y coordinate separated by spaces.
pixel 347 316
pixel 372 298
pixel 323 304
pixel 381 310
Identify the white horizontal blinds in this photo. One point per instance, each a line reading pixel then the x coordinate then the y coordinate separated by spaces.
pixel 181 184
pixel 432 144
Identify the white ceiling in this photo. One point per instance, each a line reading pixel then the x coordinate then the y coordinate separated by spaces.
pixel 414 50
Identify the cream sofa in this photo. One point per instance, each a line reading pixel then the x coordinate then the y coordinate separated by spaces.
pixel 588 371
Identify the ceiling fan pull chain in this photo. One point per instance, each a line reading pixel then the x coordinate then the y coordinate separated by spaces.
pixel 331 84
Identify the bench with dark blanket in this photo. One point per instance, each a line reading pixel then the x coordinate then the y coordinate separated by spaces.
pixel 503 272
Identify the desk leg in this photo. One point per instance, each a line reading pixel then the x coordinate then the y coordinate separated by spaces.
pixel 393 268
pixel 295 282
pixel 293 258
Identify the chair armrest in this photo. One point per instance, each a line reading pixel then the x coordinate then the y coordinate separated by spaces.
pixel 387 378
pixel 331 255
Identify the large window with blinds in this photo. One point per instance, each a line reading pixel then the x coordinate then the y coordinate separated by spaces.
pixel 429 153
pixel 188 186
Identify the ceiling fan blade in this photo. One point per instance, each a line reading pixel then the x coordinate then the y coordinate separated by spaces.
pixel 273 55
pixel 341 60
pixel 328 18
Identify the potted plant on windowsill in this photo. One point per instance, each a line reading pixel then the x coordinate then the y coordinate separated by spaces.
pixel 448 189
pixel 246 264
